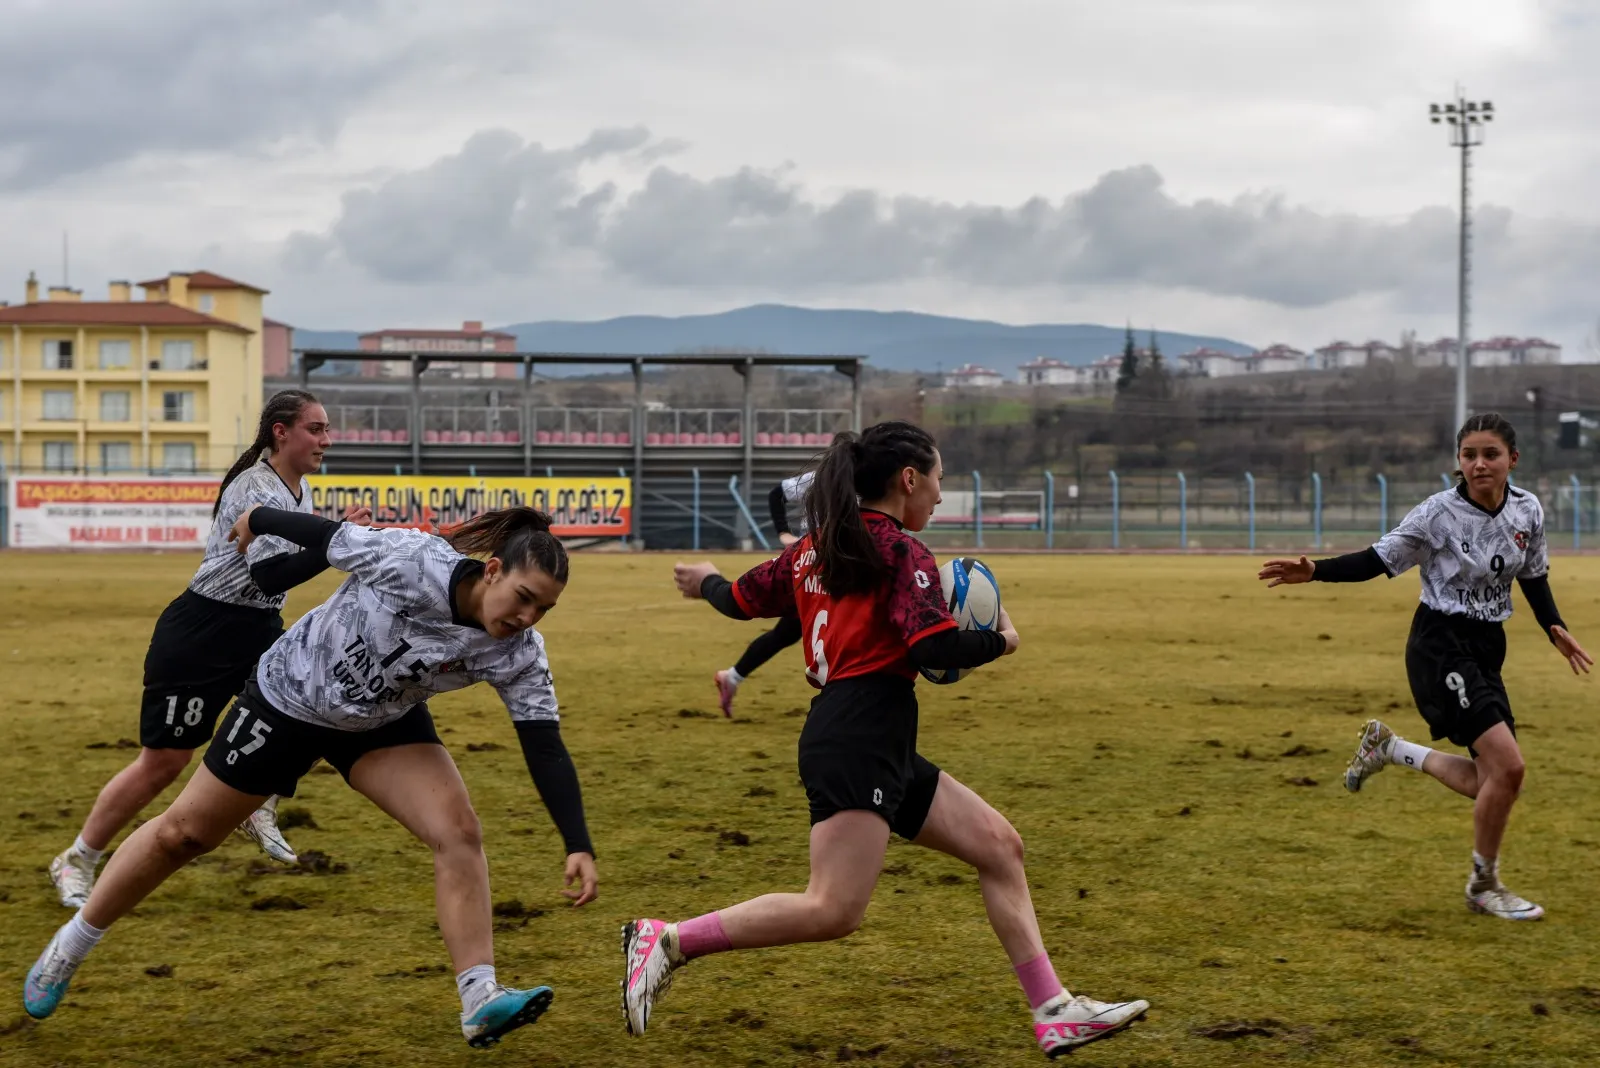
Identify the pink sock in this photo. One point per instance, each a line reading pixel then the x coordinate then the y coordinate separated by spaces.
pixel 1039 982
pixel 704 934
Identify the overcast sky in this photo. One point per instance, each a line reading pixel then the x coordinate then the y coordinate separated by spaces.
pixel 1259 169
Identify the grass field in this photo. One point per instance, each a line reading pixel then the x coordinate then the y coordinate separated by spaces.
pixel 1169 742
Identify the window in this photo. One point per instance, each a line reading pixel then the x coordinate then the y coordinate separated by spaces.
pixel 116 355
pixel 116 456
pixel 177 355
pixel 177 456
pixel 60 455
pixel 207 302
pixel 59 403
pixel 115 406
pixel 177 407
pixel 57 354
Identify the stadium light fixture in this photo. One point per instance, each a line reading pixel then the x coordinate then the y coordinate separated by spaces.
pixel 1466 119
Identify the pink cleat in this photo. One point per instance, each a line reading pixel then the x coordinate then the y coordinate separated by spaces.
pixel 650 956
pixel 726 688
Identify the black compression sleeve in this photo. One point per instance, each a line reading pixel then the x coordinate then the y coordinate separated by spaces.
pixel 1352 567
pixel 305 530
pixel 282 573
pixel 1542 601
pixel 719 591
pixel 953 648
pixel 556 780
pixel 779 506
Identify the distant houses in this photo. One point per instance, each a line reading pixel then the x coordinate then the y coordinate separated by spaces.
pixel 1275 359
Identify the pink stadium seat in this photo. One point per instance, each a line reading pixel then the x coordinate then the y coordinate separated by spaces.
pixel 558 437
pixel 718 438
pixel 591 437
pixel 608 437
pixel 763 438
pixel 497 437
pixel 402 437
pixel 334 434
pixel 733 437
pixel 701 437
pixel 369 435
pixel 386 437
pixel 513 437
pixel 541 437
pixel 813 439
pixel 652 438
pixel 795 439
pixel 430 437
pixel 624 438
pixel 480 437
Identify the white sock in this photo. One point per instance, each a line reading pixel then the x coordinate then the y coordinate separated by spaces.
pixel 78 938
pixel 84 850
pixel 734 676
pixel 475 985
pixel 1485 870
pixel 1408 754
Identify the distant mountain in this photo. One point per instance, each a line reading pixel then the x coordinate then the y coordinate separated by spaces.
pixel 899 341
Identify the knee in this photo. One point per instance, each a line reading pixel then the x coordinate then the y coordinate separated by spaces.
pixel 163 766
pixel 178 843
pixel 461 832
pixel 1512 774
pixel 838 919
pixel 1001 847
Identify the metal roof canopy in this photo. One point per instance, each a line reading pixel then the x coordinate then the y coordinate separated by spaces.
pixel 739 362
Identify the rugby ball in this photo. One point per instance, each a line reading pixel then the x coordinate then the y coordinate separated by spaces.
pixel 973 597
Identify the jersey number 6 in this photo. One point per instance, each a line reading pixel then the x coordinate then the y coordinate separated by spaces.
pixel 819 659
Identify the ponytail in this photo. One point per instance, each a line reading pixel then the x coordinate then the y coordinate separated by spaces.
pixel 858 467
pixel 516 537
pixel 284 407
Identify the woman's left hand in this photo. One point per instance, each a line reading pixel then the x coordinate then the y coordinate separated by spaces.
pixel 240 534
pixel 690 576
pixel 581 870
pixel 1568 647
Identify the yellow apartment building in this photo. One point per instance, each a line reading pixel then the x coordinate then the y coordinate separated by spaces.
pixel 167 383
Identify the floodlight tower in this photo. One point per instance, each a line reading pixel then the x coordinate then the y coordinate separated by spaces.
pixel 1466 119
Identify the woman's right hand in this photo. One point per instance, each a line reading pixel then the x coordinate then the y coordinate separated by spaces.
pixel 1008 631
pixel 1286 572
pixel 240 534
pixel 690 576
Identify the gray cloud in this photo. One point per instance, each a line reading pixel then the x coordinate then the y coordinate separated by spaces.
pixel 106 81
pixel 501 206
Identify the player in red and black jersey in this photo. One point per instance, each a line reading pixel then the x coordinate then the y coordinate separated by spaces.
pixel 868 598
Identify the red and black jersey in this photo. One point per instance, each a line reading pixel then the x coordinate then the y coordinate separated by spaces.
pixel 862 633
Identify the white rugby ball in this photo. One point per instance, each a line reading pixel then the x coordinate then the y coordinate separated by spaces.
pixel 973 596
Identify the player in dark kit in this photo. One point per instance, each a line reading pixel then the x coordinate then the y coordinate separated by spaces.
pixel 1470 542
pixel 789 493
pixel 209 638
pixel 868 597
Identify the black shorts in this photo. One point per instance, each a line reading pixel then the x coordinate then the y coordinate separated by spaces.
pixel 858 750
pixel 1454 667
pixel 201 654
pixel 259 750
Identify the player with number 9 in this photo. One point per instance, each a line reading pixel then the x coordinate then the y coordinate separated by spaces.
pixel 872 615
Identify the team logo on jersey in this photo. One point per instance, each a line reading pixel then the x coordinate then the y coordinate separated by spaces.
pixel 1521 538
pixel 450 666
pixel 922 580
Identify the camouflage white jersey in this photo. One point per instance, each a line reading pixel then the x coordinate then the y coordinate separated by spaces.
pixel 389 639
pixel 1469 555
pixel 794 499
pixel 224 575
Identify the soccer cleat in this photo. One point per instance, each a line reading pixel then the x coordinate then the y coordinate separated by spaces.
pixel 1377 741
pixel 504 1012
pixel 73 877
pixel 726 688
pixel 1501 903
pixel 47 980
pixel 262 828
pixel 650 956
pixel 1065 1022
